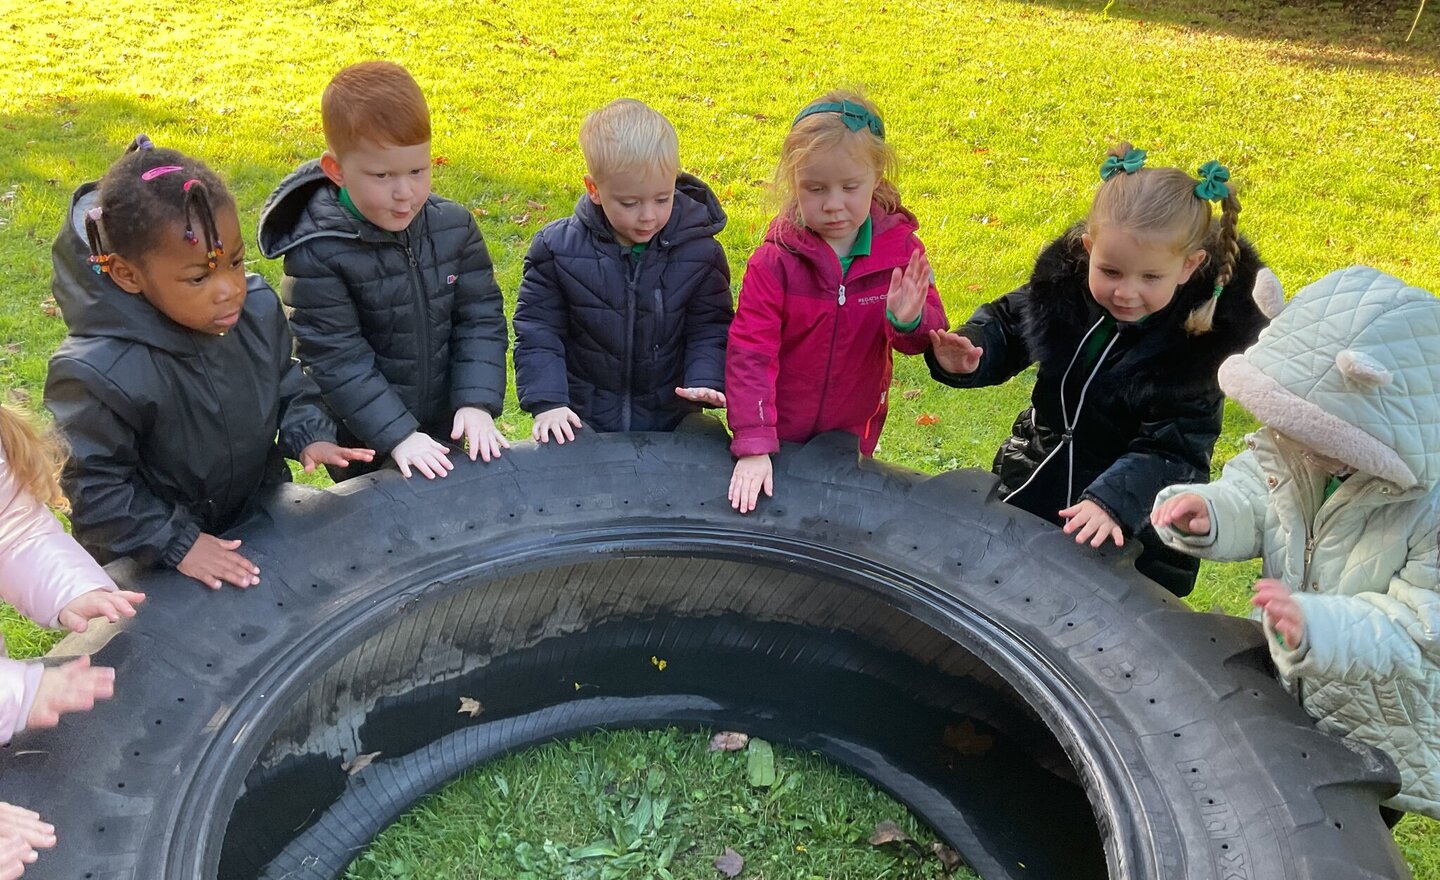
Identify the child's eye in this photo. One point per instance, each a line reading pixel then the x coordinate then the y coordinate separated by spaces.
pixel 417 171
pixel 663 201
pixel 382 175
pixel 851 187
pixel 628 204
pixel 1110 273
pixel 1152 277
pixel 198 279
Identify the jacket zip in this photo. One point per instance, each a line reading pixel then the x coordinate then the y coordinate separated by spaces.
pixel 1067 439
pixel 632 290
pixel 229 448
pixel 830 357
pixel 422 329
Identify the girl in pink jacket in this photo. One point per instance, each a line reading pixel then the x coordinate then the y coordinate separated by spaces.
pixel 52 581
pixel 840 280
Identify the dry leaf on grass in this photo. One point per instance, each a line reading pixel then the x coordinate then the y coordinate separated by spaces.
pixel 911 394
pixel 927 419
pixel 949 858
pixel 728 741
pixel 360 763
pixel 730 863
pixel 888 832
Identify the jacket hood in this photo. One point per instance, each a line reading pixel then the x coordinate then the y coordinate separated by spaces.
pixel 696 214
pixel 1063 310
pixel 305 205
pixel 92 304
pixel 1349 369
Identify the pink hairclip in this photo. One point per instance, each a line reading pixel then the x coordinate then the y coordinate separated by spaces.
pixel 189 183
pixel 95 213
pixel 160 170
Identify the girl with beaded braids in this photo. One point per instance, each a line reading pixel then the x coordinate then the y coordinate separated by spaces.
pixel 176 375
pixel 1127 316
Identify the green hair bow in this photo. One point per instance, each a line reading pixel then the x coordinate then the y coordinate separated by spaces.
pixel 854 115
pixel 1129 163
pixel 1212 186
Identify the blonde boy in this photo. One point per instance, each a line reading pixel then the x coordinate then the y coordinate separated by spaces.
pixel 624 306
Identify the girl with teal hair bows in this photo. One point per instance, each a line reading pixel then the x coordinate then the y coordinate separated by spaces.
pixel 1124 317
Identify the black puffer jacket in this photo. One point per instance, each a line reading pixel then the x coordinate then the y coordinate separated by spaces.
pixel 171 431
pixel 611 335
pixel 399 330
pixel 1151 414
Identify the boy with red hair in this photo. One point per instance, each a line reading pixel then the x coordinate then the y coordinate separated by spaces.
pixel 397 316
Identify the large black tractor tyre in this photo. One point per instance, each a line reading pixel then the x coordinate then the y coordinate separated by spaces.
pixel 1045 709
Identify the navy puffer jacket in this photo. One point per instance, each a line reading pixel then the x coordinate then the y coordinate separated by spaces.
pixel 399 330
pixel 610 334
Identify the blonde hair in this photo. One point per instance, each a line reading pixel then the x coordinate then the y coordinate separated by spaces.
pixel 822 132
pixel 377 102
pixel 1161 204
pixel 626 135
pixel 34 458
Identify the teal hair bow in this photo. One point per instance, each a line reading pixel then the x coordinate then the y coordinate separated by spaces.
pixel 1212 186
pixel 854 115
pixel 1129 163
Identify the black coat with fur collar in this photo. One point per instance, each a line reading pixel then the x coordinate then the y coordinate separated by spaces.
pixel 1151 414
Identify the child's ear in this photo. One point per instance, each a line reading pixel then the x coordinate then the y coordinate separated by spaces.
pixel 125 274
pixel 591 189
pixel 331 166
pixel 1192 263
pixel 1086 240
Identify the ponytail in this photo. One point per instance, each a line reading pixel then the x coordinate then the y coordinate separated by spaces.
pixel 1213 186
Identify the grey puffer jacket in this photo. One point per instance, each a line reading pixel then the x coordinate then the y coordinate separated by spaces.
pixel 398 330
pixel 611 334
pixel 1351 370
pixel 171 432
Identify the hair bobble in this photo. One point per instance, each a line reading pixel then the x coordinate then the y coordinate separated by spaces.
pixel 100 263
pixel 855 116
pixel 1131 162
pixel 1212 186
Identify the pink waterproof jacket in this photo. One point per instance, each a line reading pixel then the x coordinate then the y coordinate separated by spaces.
pixel 41 570
pixel 809 351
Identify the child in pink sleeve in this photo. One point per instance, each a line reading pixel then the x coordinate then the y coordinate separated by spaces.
pixel 52 581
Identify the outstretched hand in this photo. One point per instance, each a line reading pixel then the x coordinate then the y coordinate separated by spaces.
pixel 908 288
pixel 70 687
pixel 481 436
pixel 702 396
pixel 752 475
pixel 955 353
pixel 423 453
pixel 1277 602
pixel 213 562
pixel 324 452
pixel 22 832
pixel 109 604
pixel 1089 522
pixel 1186 513
pixel 561 422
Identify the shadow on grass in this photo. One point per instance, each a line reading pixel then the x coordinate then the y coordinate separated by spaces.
pixel 1363 34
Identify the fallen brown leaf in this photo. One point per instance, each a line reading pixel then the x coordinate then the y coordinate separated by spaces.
pixel 470 707
pixel 911 394
pixel 20 396
pixel 728 741
pixel 360 763
pixel 49 307
pixel 948 857
pixel 534 205
pixel 888 832
pixel 928 419
pixel 521 219
pixel 730 863
pixel 441 160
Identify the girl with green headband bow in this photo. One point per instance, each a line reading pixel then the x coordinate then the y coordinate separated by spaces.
pixel 1124 317
pixel 840 282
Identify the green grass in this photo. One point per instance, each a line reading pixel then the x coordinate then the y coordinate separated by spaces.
pixel 638 804
pixel 999 110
